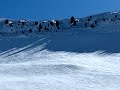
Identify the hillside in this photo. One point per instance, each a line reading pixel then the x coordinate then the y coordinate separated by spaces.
pixel 93 33
pixel 44 55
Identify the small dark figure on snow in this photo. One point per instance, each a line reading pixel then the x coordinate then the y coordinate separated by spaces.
pixel 48 24
pixel 30 30
pixel 85 25
pixel 51 23
pixel 72 21
pixel 36 23
pixel 111 19
pixel 23 23
pixel 95 22
pixel 23 32
pixel 45 28
pixel 88 20
pixel 90 17
pixel 6 21
pixel 103 19
pixel 92 26
pixel 75 23
pixel 57 24
pixel 115 16
pixel 40 27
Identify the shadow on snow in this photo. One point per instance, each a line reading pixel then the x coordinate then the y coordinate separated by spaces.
pixel 81 43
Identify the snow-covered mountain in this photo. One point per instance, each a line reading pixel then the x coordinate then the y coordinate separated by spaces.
pixel 60 55
pixel 8 26
pixel 93 33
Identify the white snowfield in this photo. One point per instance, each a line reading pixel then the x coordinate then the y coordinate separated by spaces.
pixel 80 57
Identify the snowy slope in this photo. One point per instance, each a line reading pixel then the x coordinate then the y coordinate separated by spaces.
pixel 76 58
pixel 19 26
pixel 102 37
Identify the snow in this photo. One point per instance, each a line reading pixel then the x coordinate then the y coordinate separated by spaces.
pixel 22 20
pixel 74 58
pixel 47 70
pixel 54 21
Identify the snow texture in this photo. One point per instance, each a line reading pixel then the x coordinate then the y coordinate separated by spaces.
pixel 77 57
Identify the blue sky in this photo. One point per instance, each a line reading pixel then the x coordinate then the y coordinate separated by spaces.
pixel 58 9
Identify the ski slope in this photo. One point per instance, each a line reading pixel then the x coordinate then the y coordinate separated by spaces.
pixel 74 58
